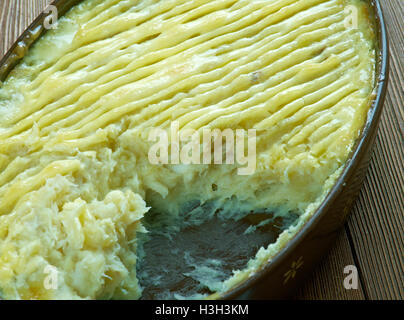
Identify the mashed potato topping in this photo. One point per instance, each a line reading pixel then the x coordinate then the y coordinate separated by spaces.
pixel 75 114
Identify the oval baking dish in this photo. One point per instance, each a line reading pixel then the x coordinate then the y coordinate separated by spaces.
pixel 280 276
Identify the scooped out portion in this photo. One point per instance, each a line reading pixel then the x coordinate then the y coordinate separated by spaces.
pixel 88 187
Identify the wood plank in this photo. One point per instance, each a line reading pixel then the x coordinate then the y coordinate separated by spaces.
pixel 15 17
pixel 327 280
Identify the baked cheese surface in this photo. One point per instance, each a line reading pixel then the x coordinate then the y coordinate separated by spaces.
pixel 75 177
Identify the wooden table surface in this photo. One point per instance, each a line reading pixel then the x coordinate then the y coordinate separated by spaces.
pixel 372 240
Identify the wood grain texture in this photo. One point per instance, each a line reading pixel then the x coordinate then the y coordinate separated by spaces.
pixel 327 280
pixel 15 17
pixel 373 237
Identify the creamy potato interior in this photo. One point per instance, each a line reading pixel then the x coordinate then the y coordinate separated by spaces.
pixel 75 115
